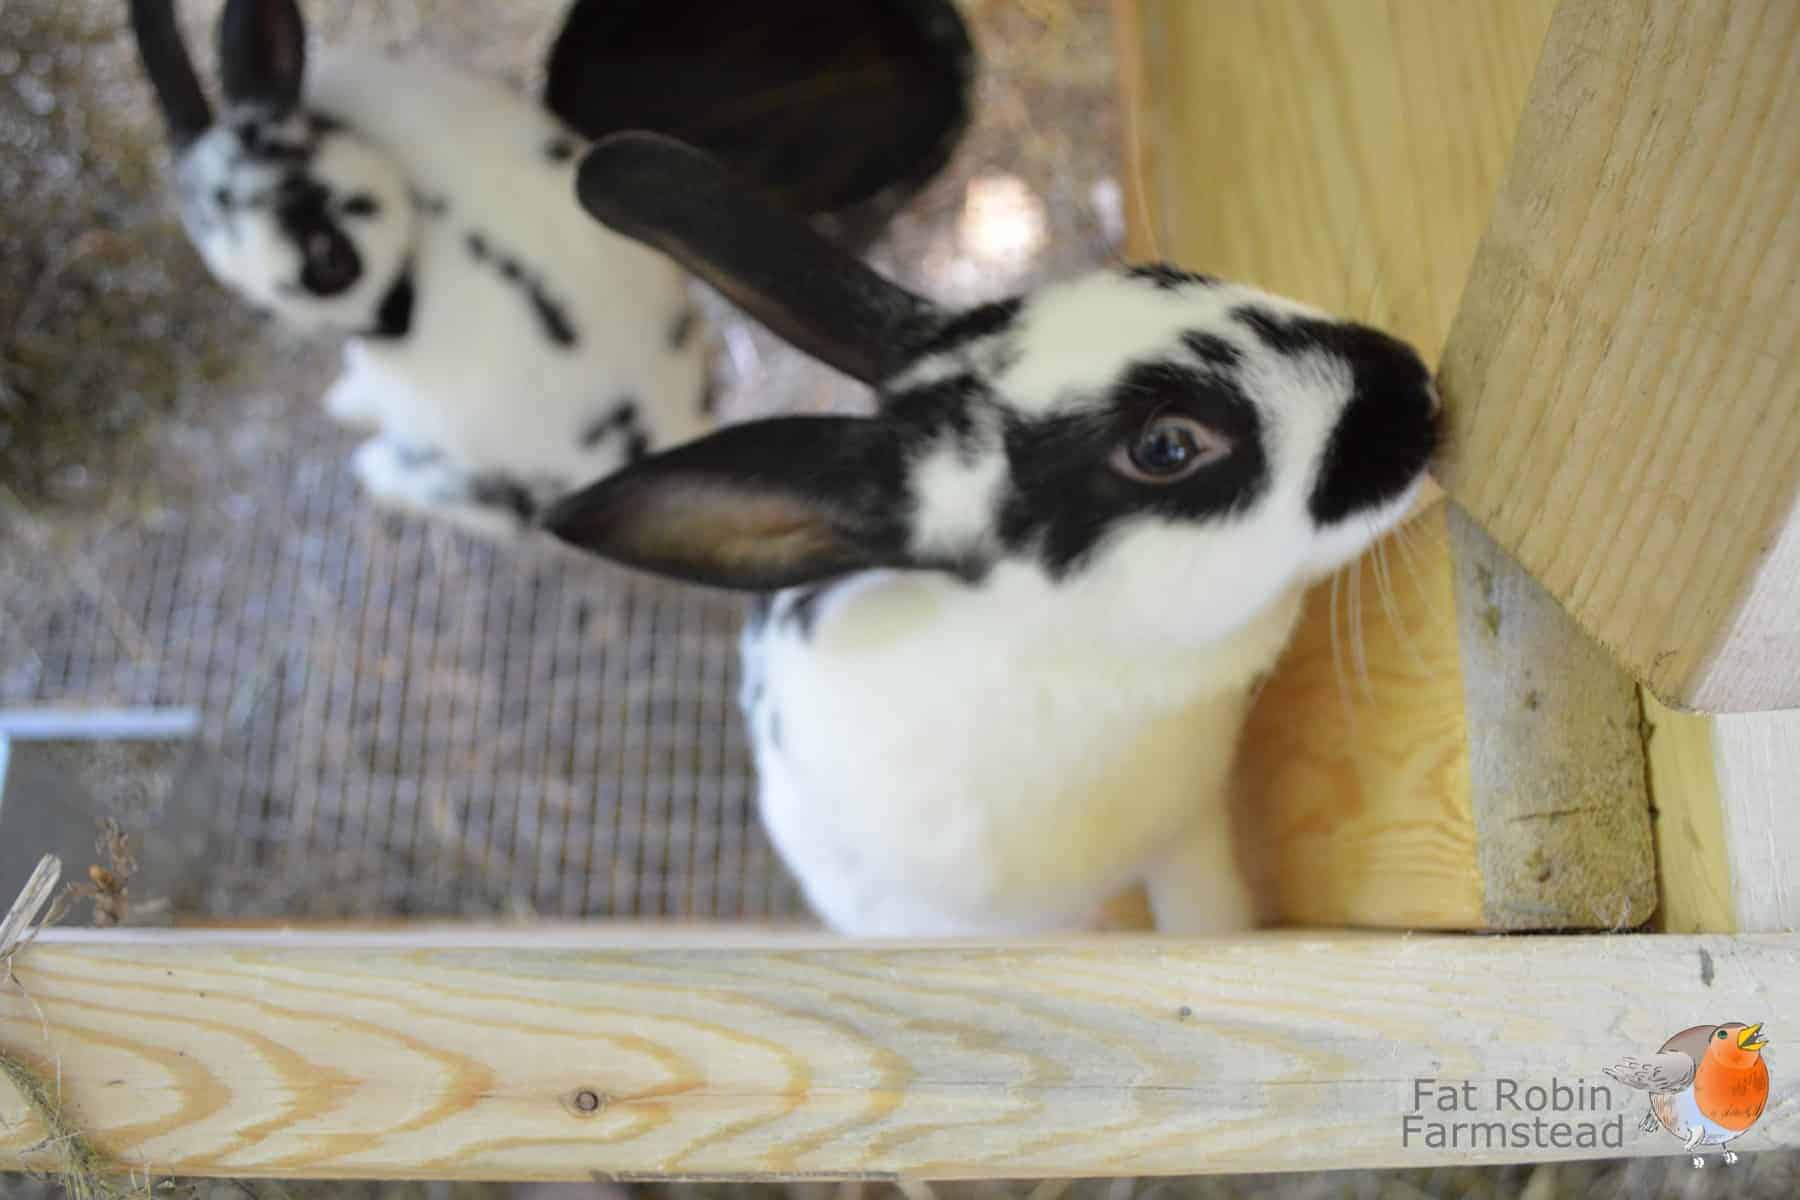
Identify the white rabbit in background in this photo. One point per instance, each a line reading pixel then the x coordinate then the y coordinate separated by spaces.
pixel 1017 615
pixel 501 348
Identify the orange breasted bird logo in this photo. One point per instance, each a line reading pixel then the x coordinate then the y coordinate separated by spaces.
pixel 1707 1085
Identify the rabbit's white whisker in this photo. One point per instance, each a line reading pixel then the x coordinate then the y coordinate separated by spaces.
pixel 1390 603
pixel 1358 642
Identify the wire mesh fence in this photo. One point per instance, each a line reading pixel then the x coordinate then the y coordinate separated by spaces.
pixel 399 720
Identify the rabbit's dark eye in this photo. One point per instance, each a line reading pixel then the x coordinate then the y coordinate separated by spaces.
pixel 1170 448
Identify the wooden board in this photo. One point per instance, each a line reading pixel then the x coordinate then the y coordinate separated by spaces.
pixel 1417 760
pixel 1624 372
pixel 1727 795
pixel 1342 151
pixel 1357 765
pixel 1556 760
pixel 371 1056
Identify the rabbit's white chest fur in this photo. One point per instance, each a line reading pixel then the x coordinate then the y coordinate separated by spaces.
pixel 928 768
pixel 531 325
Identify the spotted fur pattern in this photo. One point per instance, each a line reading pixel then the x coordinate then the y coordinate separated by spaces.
pixel 1031 693
pixel 429 217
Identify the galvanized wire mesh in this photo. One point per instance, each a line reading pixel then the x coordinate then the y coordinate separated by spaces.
pixel 403 721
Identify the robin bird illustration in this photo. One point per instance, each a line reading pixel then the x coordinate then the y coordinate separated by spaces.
pixel 1707 1084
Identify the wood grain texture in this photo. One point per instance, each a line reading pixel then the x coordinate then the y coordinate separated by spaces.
pixel 1347 153
pixel 371 1057
pixel 1727 794
pixel 1356 760
pixel 1758 763
pixel 1629 350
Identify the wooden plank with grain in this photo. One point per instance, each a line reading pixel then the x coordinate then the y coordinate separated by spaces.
pixel 1440 746
pixel 386 1056
pixel 1624 371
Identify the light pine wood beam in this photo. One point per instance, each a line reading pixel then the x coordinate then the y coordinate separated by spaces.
pixel 1624 373
pixel 500 1056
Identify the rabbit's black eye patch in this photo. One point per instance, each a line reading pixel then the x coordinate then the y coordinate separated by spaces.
pixel 1388 430
pixel 1067 494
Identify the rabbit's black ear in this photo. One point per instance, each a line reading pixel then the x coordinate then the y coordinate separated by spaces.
pixel 262 53
pixel 164 55
pixel 771 263
pixel 758 506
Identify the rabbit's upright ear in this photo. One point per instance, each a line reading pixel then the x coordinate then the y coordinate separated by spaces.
pixel 262 53
pixel 756 507
pixel 165 57
pixel 772 264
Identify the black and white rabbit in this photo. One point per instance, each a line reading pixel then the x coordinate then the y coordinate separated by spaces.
pixel 1017 614
pixel 501 351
